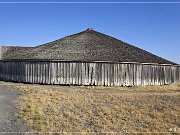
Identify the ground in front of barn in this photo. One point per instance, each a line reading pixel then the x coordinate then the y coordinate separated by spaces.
pixel 90 109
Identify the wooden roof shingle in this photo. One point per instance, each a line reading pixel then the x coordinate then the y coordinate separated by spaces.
pixel 88 45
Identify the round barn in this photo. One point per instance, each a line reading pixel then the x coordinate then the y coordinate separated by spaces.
pixel 86 58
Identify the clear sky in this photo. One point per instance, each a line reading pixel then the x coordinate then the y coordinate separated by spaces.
pixel 152 27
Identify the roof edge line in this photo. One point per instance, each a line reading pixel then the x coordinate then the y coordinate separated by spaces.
pixel 117 62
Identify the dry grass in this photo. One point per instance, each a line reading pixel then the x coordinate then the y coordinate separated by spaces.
pixel 100 109
pixel 171 87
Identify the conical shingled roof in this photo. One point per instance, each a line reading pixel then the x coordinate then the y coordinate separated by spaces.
pixel 88 45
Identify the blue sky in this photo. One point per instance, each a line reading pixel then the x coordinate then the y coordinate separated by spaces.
pixel 152 27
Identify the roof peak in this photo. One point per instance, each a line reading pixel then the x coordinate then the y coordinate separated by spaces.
pixel 89 29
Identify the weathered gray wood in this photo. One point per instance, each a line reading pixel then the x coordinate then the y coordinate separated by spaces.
pixel 106 74
pixel 81 73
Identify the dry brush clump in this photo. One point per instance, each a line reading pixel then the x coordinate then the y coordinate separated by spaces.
pixel 85 110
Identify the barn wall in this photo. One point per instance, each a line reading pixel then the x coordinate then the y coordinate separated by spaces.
pixel 90 73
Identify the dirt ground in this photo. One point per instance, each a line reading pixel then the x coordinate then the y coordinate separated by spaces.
pixel 88 109
pixel 8 110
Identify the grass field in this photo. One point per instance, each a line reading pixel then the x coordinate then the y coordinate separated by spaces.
pixel 84 109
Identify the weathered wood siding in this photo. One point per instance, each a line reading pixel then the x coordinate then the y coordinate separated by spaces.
pixel 88 73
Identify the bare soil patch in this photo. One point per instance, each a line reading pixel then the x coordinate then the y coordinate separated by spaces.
pixel 84 109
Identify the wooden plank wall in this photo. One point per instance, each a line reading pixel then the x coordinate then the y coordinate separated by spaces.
pixel 90 73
